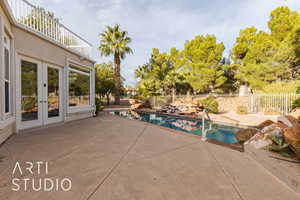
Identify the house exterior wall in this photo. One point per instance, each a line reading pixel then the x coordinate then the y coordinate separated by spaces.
pixel 6 131
pixel 7 122
pixel 31 45
pixel 26 43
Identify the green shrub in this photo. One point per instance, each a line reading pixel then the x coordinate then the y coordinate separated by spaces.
pixel 98 105
pixel 296 104
pixel 210 104
pixel 282 87
pixel 298 90
pixel 242 110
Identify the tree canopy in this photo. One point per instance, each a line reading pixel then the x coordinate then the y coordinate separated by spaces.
pixel 264 57
pixel 259 59
pixel 115 42
pixel 105 85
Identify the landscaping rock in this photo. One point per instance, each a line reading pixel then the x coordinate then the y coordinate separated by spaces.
pixel 147 104
pixel 259 141
pixel 184 105
pixel 136 106
pixel 292 133
pixel 141 105
pixel 133 101
pixel 281 125
pixel 246 134
pixel 292 137
pixel 275 132
pixel 296 113
pixel 265 123
pixel 288 120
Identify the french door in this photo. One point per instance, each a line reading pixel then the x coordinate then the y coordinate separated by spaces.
pixel 40 94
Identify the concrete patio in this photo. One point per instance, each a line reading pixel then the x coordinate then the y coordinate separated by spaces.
pixel 112 158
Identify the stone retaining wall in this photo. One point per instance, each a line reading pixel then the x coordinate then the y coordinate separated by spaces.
pixel 229 104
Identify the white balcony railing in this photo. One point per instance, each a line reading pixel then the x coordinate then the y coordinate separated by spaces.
pixel 39 20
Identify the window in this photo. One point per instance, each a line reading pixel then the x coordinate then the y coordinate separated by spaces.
pixel 7 75
pixel 79 86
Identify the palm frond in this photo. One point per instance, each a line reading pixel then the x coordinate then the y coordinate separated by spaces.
pixel 113 41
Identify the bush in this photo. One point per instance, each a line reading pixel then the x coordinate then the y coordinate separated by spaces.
pixel 210 104
pixel 298 90
pixel 282 87
pixel 98 105
pixel 242 110
pixel 296 104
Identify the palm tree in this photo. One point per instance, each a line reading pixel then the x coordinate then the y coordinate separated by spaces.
pixel 115 42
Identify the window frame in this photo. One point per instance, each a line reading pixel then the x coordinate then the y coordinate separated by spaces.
pixel 7 47
pixel 74 109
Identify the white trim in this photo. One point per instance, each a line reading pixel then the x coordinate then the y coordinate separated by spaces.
pixel 2 105
pixel 74 109
pixel 77 109
pixel 71 61
pixel 18 91
pixel 79 72
pixel 66 89
pixel 39 121
pixel 46 119
pixel 7 47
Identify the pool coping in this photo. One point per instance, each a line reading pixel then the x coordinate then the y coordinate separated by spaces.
pixel 235 146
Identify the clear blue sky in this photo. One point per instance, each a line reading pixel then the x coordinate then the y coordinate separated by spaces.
pixel 162 23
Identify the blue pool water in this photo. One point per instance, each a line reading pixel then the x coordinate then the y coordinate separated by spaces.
pixel 217 132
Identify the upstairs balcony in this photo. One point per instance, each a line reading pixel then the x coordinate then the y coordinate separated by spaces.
pixel 45 23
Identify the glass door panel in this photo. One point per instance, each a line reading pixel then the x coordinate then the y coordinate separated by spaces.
pixel 29 91
pixel 53 93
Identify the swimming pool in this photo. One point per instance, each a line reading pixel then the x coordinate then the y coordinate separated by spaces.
pixel 222 133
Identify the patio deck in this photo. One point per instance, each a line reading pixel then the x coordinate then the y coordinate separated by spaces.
pixel 112 158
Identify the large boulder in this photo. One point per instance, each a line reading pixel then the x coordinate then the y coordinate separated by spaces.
pixel 141 105
pixel 246 134
pixel 262 138
pixel 295 113
pixel 292 137
pixel 136 106
pixel 273 130
pixel 292 133
pixel 288 120
pixel 134 101
pixel 281 125
pixel 259 141
pixel 186 105
pixel 265 123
